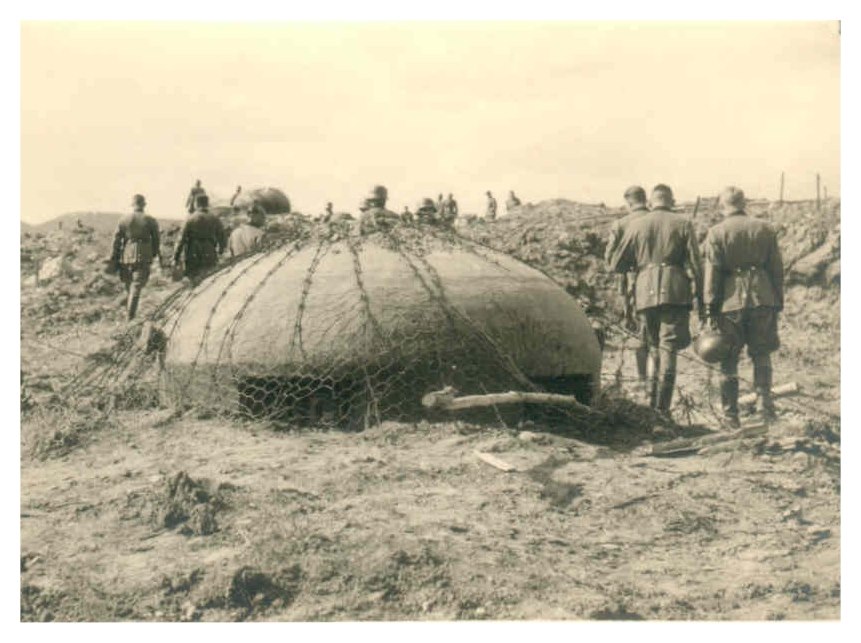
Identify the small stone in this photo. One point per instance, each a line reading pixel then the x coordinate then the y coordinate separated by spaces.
pixel 480 611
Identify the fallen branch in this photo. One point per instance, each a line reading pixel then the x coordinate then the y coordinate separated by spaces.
pixel 493 461
pixel 695 444
pixel 446 400
pixel 790 388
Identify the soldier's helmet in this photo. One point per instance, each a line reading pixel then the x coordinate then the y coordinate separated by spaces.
pixel 636 194
pixel 257 216
pixel 138 201
pixel 732 197
pixel 379 193
pixel 201 201
pixel 712 346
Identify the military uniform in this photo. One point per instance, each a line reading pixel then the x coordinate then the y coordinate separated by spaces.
pixel 201 241
pixel 744 293
pixel 511 202
pixel 449 210
pixel 191 201
pixel 491 208
pixel 627 282
pixel 661 247
pixel 244 239
pixel 136 244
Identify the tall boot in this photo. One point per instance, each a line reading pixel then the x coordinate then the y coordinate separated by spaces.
pixel 642 355
pixel 654 366
pixel 762 383
pixel 667 373
pixel 729 399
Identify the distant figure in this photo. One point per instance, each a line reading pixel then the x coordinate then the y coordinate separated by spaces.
pixel 201 240
pixel 426 211
pixel 375 216
pixel 511 202
pixel 449 210
pixel 635 201
pixel 80 224
pixel 329 213
pixel 136 244
pixel 490 213
pixel 235 194
pixel 661 247
pixel 439 202
pixel 248 236
pixel 191 201
pixel 744 294
pixel 406 215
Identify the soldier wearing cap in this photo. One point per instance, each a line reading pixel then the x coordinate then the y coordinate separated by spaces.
pixel 661 247
pixel 426 211
pixel 407 215
pixel 248 236
pixel 744 294
pixel 196 191
pixel 635 201
pixel 136 244
pixel 201 241
pixel 490 213
pixel 375 216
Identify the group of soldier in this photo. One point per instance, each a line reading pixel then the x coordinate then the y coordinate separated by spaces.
pixel 736 284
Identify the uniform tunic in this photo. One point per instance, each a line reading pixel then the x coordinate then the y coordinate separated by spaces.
pixel 202 239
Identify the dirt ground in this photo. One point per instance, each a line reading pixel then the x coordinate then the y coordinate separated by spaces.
pixel 147 515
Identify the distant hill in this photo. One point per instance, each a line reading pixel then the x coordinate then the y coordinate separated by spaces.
pixel 105 222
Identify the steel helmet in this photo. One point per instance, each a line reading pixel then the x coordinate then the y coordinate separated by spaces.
pixel 712 346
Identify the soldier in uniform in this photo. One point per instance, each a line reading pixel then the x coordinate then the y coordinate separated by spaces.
pixel 490 215
pixel 136 244
pixel 449 209
pixel 248 236
pixel 661 247
pixel 407 215
pixel 426 211
pixel 191 201
pixel 201 240
pixel 329 213
pixel 744 294
pixel 511 202
pixel 635 201
pixel 375 216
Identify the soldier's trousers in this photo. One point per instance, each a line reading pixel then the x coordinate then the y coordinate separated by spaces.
pixel 134 277
pixel 757 329
pixel 667 331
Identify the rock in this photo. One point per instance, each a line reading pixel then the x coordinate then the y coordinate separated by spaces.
pixel 53 268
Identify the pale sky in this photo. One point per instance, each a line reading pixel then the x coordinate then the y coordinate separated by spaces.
pixel 578 110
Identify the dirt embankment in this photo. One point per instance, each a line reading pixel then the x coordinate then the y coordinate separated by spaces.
pixel 143 514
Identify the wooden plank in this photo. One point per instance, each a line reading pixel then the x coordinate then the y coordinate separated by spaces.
pixel 783 390
pixel 493 461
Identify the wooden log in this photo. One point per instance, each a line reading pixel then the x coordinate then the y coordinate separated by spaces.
pixel 446 400
pixel 784 390
pixel 695 444
pixel 493 461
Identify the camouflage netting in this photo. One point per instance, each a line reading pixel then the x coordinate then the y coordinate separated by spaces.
pixel 337 329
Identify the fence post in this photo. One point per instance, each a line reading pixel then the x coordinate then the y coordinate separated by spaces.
pixel 817 191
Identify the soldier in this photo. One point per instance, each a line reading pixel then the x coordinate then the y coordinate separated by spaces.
pixel 201 241
pixel 235 195
pixel 661 247
pixel 191 201
pixel 490 215
pixel 375 216
pixel 406 215
pixel 248 236
pixel 744 294
pixel 439 203
pixel 635 201
pixel 330 212
pixel 426 211
pixel 511 202
pixel 136 244
pixel 449 210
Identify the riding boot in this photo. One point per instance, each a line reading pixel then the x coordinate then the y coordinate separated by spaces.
pixel 134 298
pixel 652 379
pixel 665 396
pixel 762 383
pixel 729 400
pixel 642 355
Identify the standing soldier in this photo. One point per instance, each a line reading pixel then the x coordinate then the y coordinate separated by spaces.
pixel 490 215
pixel 191 201
pixel 449 210
pixel 248 236
pixel 201 241
pixel 329 213
pixel 635 201
pixel 511 202
pixel 136 244
pixel 661 247
pixel 439 204
pixel 406 215
pixel 744 294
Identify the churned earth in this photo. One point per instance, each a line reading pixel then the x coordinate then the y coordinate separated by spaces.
pixel 144 514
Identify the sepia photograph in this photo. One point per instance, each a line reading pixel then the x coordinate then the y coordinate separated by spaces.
pixel 430 321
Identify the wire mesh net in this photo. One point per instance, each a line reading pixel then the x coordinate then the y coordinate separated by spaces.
pixel 324 326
